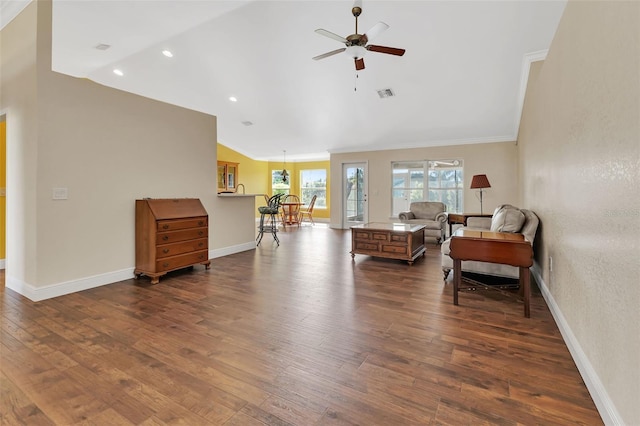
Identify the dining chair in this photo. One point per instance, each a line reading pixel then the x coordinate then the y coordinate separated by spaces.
pixel 290 213
pixel 308 210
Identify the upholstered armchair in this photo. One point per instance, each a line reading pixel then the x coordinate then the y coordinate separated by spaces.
pixel 429 213
pixel 506 218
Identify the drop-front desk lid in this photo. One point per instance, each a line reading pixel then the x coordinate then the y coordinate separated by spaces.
pixel 174 208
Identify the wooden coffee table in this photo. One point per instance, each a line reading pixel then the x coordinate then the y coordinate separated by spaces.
pixel 390 240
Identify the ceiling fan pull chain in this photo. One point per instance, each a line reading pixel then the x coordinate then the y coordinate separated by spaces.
pixel 355 83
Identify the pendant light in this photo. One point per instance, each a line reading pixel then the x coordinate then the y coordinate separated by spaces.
pixel 284 173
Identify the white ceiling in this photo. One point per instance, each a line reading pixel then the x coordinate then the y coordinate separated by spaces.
pixel 460 81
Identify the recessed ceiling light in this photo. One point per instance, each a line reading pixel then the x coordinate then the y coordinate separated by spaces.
pixel 167 53
pixel 118 72
pixel 233 99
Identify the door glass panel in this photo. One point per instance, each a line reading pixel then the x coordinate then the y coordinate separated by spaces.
pixel 355 195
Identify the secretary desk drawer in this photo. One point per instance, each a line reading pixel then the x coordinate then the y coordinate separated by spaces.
pixel 167 250
pixel 175 224
pixel 187 234
pixel 175 262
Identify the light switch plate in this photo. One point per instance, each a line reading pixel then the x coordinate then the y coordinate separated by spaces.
pixel 60 193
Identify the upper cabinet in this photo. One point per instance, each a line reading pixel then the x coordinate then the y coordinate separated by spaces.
pixel 227 176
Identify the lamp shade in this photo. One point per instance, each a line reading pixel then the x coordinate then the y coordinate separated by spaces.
pixel 479 182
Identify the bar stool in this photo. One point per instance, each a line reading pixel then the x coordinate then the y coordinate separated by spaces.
pixel 271 209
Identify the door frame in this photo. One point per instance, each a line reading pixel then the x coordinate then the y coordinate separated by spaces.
pixel 344 222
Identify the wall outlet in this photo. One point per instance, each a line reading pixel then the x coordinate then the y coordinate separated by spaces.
pixel 60 193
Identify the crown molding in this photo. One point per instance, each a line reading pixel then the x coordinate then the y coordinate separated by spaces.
pixel 527 60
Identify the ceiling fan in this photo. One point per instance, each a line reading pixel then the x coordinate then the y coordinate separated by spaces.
pixel 356 44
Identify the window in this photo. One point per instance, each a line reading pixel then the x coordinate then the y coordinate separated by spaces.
pixel 278 186
pixel 440 180
pixel 314 182
pixel 446 184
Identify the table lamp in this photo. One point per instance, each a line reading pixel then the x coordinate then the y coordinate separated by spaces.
pixel 480 182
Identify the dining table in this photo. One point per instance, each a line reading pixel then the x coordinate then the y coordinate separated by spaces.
pixel 291 212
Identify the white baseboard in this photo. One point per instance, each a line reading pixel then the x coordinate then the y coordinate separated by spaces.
pixel 225 251
pixel 60 289
pixel 603 402
pixel 37 294
pixel 2 263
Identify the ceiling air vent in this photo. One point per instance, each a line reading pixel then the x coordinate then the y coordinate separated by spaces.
pixel 247 123
pixel 102 46
pixel 385 93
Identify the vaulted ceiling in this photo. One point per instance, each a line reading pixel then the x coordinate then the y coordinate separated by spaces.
pixel 461 79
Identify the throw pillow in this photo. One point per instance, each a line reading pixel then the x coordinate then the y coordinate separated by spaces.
pixel 507 219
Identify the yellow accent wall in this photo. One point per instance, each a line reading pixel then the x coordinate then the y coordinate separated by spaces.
pixel 294 179
pixel 3 185
pixel 256 175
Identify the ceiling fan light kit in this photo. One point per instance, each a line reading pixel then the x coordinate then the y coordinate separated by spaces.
pixel 356 44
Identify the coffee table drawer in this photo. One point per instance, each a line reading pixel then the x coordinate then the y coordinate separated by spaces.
pixel 388 248
pixel 399 238
pixel 393 241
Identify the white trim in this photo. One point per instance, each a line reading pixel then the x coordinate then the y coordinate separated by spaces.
pixel 527 60
pixel 604 404
pixel 225 251
pixel 37 294
pixel 2 263
pixel 54 290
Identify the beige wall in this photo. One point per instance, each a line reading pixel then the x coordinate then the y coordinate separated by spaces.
pixel 497 160
pixel 18 84
pixel 580 168
pixel 108 148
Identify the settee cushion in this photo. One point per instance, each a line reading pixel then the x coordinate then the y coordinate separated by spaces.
pixel 507 218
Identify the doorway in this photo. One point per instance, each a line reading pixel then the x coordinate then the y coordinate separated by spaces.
pixel 354 195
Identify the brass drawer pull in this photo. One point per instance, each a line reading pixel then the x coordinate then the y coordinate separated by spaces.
pixel 201 222
pixel 200 244
pixel 165 238
pixel 165 251
pixel 165 264
pixel 200 233
pixel 165 226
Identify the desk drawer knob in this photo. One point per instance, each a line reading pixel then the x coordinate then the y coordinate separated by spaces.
pixel 165 251
pixel 165 238
pixel 200 244
pixel 165 264
pixel 200 223
pixel 165 226
pixel 200 233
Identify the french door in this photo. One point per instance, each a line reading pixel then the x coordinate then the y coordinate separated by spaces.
pixel 354 194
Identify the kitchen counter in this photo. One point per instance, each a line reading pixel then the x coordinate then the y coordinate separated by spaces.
pixel 235 195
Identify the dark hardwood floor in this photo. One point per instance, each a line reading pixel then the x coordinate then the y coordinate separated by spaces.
pixel 292 335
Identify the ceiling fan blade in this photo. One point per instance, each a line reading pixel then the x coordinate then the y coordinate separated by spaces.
pixel 326 55
pixel 377 29
pixel 359 64
pixel 385 49
pixel 331 35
